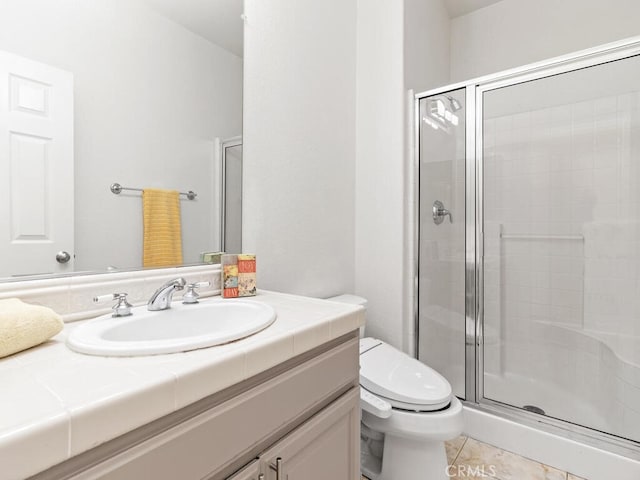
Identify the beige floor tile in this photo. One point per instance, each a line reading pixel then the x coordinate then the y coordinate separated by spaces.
pixel 480 460
pixel 453 448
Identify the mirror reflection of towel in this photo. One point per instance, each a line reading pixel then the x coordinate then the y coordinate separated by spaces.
pixel 162 236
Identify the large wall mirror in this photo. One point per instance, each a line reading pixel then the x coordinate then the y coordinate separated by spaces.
pixel 143 93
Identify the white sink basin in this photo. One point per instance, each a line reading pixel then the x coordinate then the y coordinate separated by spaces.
pixel 177 329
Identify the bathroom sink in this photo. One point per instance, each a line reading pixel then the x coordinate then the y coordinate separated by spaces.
pixel 177 329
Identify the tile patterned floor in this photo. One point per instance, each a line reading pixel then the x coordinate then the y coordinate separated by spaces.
pixel 471 459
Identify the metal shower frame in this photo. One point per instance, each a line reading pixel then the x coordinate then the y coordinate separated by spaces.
pixel 474 240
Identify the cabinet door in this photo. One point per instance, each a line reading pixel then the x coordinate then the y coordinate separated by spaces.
pixel 250 472
pixel 325 447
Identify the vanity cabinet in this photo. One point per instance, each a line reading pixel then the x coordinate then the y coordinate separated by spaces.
pixel 322 448
pixel 250 472
pixel 325 447
pixel 298 420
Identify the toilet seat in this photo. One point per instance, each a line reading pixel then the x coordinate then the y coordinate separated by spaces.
pixel 436 426
pixel 402 381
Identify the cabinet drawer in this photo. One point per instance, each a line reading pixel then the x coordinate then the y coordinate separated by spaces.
pixel 214 439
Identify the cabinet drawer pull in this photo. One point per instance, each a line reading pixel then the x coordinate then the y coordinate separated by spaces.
pixel 278 469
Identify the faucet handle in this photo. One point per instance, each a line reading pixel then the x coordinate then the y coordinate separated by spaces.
pixel 121 309
pixel 191 296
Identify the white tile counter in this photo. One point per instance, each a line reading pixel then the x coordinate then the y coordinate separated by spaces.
pixel 55 403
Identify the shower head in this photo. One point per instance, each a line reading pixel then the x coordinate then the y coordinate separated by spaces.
pixel 455 104
pixel 440 112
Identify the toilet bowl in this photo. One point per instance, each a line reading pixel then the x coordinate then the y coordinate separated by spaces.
pixel 408 412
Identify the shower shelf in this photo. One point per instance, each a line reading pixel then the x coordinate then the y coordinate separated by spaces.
pixel 578 238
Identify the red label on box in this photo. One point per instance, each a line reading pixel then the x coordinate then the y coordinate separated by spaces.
pixel 246 266
pixel 230 292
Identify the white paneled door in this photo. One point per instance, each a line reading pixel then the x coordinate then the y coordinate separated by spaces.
pixel 36 165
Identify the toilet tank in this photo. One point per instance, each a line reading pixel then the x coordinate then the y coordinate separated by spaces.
pixel 353 300
pixel 348 298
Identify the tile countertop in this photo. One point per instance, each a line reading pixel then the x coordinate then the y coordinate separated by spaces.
pixel 55 403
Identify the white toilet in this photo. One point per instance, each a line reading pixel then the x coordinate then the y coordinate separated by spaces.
pixel 408 411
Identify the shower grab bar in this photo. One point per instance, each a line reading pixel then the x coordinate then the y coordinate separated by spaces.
pixel 116 188
pixel 514 236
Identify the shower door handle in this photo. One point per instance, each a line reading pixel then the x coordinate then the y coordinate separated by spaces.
pixel 439 212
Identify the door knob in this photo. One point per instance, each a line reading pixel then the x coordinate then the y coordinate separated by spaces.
pixel 62 256
pixel 439 212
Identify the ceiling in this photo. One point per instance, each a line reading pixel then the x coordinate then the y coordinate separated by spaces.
pixel 216 20
pixel 456 8
pixel 219 20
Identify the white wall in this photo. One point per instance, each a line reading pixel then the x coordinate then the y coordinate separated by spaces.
pixel 380 167
pixel 401 45
pixel 299 128
pixel 150 97
pixel 327 186
pixel 516 32
pixel 427 50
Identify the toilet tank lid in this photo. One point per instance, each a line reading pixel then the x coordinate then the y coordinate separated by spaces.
pixel 348 298
pixel 368 343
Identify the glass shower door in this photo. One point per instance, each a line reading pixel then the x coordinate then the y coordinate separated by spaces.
pixel 231 196
pixel 561 208
pixel 441 256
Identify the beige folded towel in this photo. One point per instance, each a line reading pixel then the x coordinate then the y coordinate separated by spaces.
pixel 24 326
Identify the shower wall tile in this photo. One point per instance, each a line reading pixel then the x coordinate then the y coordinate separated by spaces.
pixel 544 187
pixel 631 399
pixel 566 170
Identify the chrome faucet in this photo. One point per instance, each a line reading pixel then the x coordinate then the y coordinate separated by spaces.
pixel 161 299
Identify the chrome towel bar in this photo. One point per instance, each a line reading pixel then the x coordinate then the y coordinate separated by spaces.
pixel 579 238
pixel 116 188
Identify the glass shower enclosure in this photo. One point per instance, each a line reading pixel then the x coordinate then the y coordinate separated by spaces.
pixel 528 250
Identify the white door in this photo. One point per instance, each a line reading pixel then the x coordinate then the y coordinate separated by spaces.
pixel 36 167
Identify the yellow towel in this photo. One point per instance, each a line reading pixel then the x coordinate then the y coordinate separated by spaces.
pixel 24 326
pixel 162 246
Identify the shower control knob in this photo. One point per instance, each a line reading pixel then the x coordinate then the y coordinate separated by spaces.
pixel 439 213
pixel 62 257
